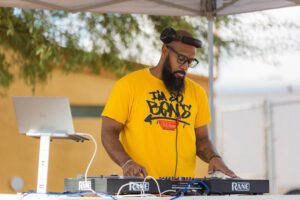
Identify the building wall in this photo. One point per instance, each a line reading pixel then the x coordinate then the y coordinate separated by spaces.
pixel 19 154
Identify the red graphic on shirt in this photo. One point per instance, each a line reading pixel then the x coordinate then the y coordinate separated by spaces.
pixel 169 125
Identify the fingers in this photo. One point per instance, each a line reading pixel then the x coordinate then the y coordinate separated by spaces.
pixel 211 169
pixel 131 172
pixel 230 173
pixel 134 169
pixel 137 171
pixel 219 165
pixel 224 169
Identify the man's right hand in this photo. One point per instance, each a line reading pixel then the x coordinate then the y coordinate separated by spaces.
pixel 134 169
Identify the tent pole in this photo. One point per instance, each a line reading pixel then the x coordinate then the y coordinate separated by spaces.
pixel 211 78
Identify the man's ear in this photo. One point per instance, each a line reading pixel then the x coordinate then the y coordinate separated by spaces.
pixel 164 50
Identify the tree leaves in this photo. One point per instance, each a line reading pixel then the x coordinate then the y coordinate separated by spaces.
pixel 5 76
pixel 42 40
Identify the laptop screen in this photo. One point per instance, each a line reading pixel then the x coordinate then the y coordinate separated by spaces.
pixel 43 114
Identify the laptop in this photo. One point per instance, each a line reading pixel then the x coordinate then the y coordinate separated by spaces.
pixel 38 116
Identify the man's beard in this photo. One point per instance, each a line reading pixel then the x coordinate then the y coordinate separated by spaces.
pixel 173 84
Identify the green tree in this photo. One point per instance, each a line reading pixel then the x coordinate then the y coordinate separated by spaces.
pixel 43 40
pixel 40 43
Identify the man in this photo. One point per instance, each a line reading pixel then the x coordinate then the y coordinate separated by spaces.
pixel 161 116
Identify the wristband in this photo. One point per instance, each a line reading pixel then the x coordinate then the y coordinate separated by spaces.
pixel 214 156
pixel 128 161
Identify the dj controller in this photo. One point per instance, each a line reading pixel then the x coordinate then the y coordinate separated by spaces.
pixel 167 185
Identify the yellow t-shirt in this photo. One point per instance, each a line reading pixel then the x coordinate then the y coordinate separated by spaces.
pixel 142 103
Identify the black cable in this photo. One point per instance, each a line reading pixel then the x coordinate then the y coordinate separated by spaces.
pixel 176 148
pixel 178 116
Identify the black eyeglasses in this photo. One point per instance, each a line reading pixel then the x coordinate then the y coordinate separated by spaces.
pixel 182 59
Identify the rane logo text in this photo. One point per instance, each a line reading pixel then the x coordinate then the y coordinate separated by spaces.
pixel 138 186
pixel 240 186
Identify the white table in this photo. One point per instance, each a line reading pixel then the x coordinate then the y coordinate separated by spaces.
pixel 226 197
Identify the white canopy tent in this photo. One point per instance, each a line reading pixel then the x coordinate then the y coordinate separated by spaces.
pixel 154 7
pixel 207 8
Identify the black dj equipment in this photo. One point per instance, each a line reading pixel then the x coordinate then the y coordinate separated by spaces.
pixel 167 185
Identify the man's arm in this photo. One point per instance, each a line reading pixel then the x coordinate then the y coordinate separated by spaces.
pixel 110 139
pixel 207 152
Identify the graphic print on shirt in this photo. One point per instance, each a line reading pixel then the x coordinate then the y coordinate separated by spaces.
pixel 168 113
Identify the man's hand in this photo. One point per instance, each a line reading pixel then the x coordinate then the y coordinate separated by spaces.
pixel 134 169
pixel 207 153
pixel 217 164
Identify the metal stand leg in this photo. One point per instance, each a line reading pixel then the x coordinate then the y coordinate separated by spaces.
pixel 43 164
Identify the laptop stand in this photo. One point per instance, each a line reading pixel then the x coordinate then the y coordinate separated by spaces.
pixel 45 139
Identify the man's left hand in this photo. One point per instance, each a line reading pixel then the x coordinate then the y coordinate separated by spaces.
pixel 217 164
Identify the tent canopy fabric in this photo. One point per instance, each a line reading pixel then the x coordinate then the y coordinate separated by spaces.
pixel 155 7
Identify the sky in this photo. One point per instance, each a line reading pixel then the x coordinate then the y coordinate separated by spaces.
pixel 239 70
pixel 254 72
